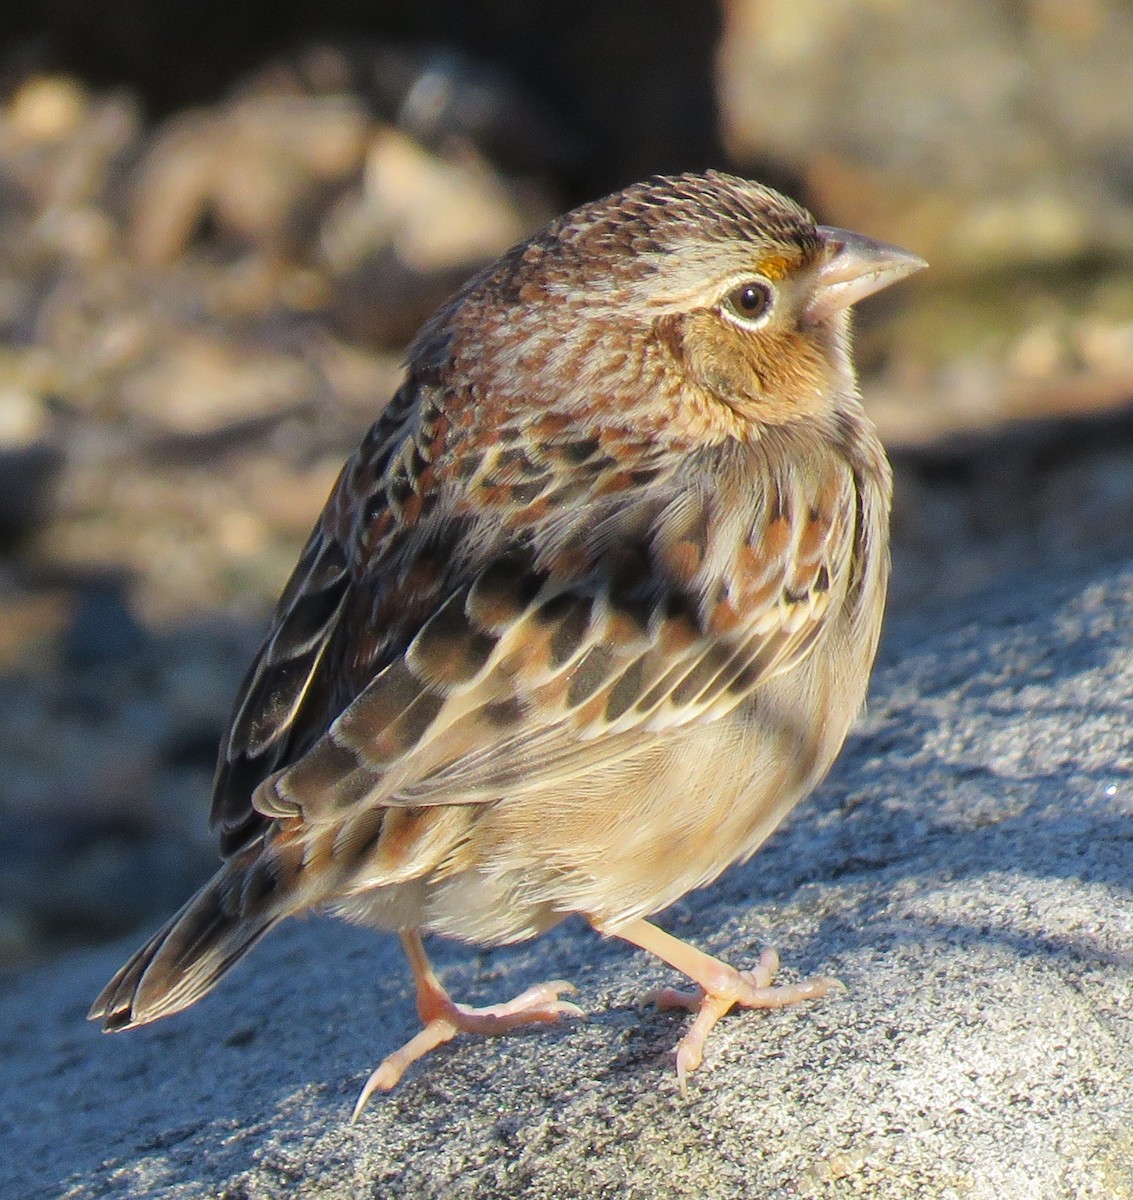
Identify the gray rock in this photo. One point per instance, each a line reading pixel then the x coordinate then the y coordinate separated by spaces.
pixel 966 872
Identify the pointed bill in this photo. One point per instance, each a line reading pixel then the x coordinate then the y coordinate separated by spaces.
pixel 856 267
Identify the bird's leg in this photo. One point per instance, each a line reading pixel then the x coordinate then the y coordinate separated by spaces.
pixel 443 1018
pixel 720 987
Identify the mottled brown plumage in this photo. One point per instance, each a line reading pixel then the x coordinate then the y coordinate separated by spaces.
pixel 590 609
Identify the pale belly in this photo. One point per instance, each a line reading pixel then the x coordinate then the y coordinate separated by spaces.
pixel 626 840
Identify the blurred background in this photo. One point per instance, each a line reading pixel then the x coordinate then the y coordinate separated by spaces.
pixel 220 224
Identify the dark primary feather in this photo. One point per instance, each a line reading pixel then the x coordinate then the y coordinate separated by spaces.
pixel 288 696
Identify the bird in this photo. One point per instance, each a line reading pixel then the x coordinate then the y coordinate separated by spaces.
pixel 590 609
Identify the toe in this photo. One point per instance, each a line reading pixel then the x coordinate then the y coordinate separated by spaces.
pixel 393 1066
pixel 757 994
pixel 668 998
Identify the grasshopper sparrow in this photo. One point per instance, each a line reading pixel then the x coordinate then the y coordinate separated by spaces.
pixel 590 609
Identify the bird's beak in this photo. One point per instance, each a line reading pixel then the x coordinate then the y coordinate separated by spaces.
pixel 856 267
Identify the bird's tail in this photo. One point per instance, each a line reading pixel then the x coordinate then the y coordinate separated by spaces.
pixel 188 956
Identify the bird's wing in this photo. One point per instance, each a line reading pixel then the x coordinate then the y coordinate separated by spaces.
pixel 293 689
pixel 669 605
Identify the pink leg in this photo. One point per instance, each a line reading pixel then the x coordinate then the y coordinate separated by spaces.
pixel 443 1019
pixel 720 988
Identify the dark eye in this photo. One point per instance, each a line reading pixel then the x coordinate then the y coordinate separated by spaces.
pixel 749 302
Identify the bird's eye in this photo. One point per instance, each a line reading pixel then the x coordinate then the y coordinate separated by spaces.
pixel 750 302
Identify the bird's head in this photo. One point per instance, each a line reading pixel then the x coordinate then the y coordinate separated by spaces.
pixel 703 297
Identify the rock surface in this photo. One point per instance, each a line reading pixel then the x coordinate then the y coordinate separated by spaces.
pixel 966 871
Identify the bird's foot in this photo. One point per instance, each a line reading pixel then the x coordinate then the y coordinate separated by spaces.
pixel 719 988
pixel 443 1019
pixel 748 989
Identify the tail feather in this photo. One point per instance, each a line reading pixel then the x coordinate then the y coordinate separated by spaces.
pixel 185 959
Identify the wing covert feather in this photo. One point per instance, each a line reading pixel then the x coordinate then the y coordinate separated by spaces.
pixel 532 673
